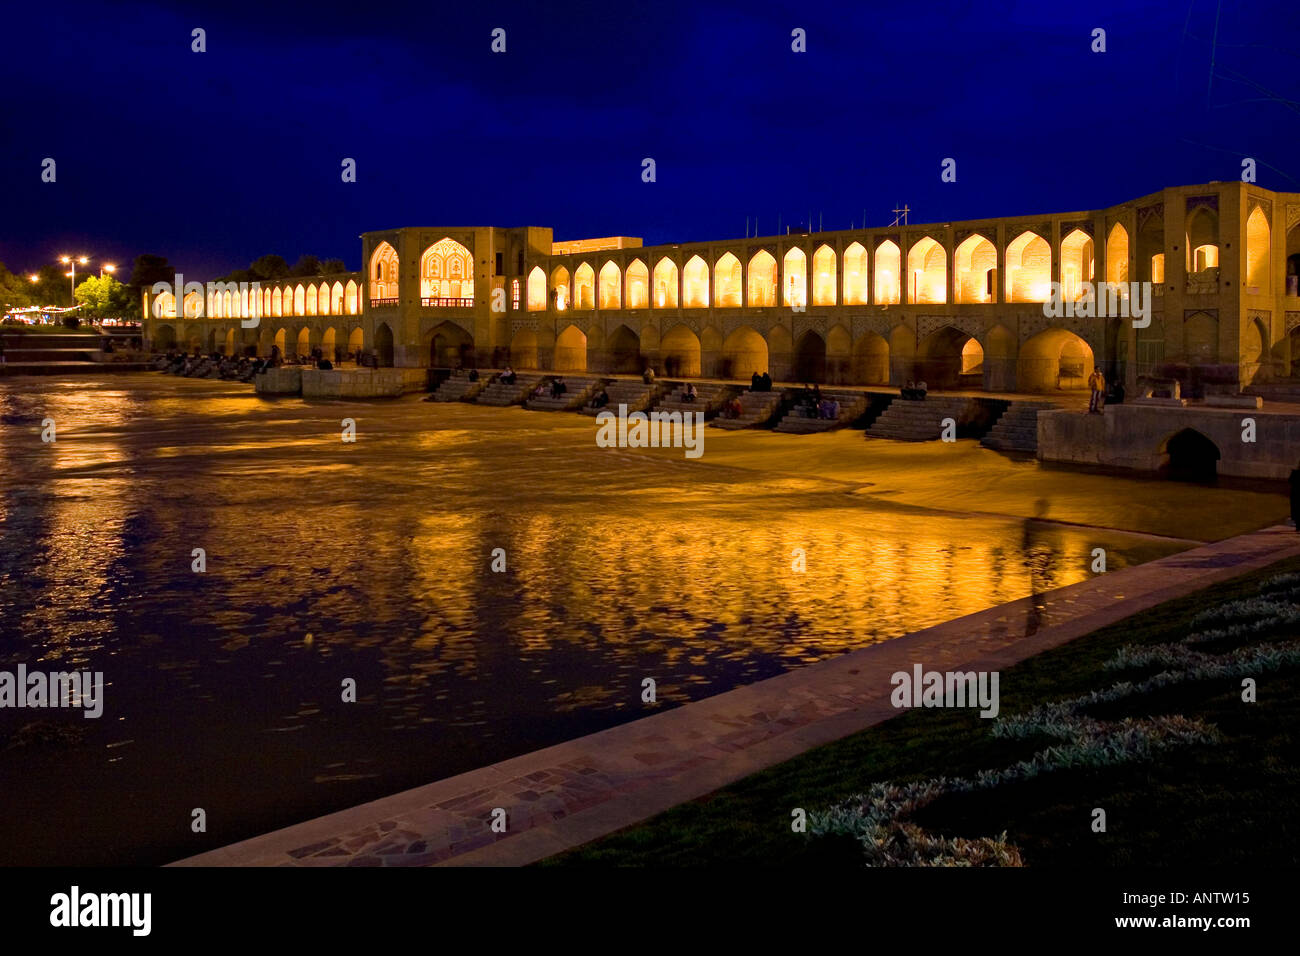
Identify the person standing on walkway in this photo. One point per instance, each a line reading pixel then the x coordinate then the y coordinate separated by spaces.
pixel 1097 386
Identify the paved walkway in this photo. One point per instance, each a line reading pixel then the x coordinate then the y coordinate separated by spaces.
pixel 569 794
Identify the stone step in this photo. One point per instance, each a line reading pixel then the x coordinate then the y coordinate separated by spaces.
pixel 1016 429
pixel 577 394
pixel 459 388
pixel 499 394
pixel 757 408
pixel 910 420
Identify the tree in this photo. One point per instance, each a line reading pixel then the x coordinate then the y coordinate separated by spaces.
pixel 103 296
pixel 270 267
pixel 306 266
pixel 15 290
pixel 51 287
pixel 331 266
pixel 149 269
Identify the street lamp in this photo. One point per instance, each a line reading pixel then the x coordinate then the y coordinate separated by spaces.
pixel 70 261
pixel 107 268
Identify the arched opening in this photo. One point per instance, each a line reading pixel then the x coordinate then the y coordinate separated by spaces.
pixel 309 299
pixel 450 346
pixel 975 266
pixel 447 274
pixel 1254 353
pixel 762 279
pixel 611 283
pixel 624 350
pixel 328 343
pixel 695 284
pixel 810 358
pixel 299 301
pixel 537 290
pixel 1202 250
pixel 871 360
pixel 356 342
pixel 1117 257
pixel 855 274
pixel 1190 456
pixel 679 351
pixel 888 260
pixel 1257 253
pixel 1076 266
pixel 1029 269
pixel 228 346
pixel 336 293
pixel 278 341
pixel 384 345
pixel 927 272
pixel 744 352
pixel 665 284
pixel 638 285
pixel 1054 359
pixel 940 358
pixel 164 337
pixel 192 303
pixel 972 359
pixel 560 287
pixel 1151 250
pixel 303 347
pixel 323 299
pixel 825 276
pixel 570 351
pixel 1293 261
pixel 523 349
pixel 727 284
pixel 584 287
pixel 383 275
pixel 796 278
pixel 351 301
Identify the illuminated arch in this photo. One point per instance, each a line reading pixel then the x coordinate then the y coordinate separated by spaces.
pixel 323 299
pixel 1257 252
pixel 1053 359
pixel 825 275
pixel 888 270
pixel 665 277
pixel 383 273
pixel 727 281
pixel 1117 254
pixel 695 284
pixel 350 297
pixel 446 274
pixel 310 300
pixel 164 305
pixel 679 351
pixel 304 341
pixel 560 286
pixel 855 274
pixel 796 278
pixel 927 272
pixel 611 282
pixel 299 300
pixel 974 270
pixel 356 342
pixel 537 290
pixel 336 293
pixel 192 304
pixel 327 343
pixel 277 307
pixel 762 281
pixel 638 285
pixel 1202 240
pixel 1029 269
pixel 278 340
pixel 1076 267
pixel 584 287
pixel 744 352
pixel 570 350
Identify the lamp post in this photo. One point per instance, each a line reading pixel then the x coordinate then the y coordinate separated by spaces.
pixel 109 268
pixel 70 261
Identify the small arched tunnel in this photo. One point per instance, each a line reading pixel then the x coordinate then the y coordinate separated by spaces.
pixel 1190 456
pixel 1054 359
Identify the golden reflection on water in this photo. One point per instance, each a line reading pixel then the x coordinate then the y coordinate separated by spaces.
pixel 621 565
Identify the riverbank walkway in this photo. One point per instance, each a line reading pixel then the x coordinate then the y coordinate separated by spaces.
pixel 566 795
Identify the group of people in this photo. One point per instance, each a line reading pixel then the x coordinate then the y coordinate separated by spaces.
pixel 809 403
pixel 914 391
pixel 235 368
pixel 760 383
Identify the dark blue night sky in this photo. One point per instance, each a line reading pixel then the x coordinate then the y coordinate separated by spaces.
pixel 214 159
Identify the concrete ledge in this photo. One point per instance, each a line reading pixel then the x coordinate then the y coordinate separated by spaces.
pixel 279 381
pixel 362 382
